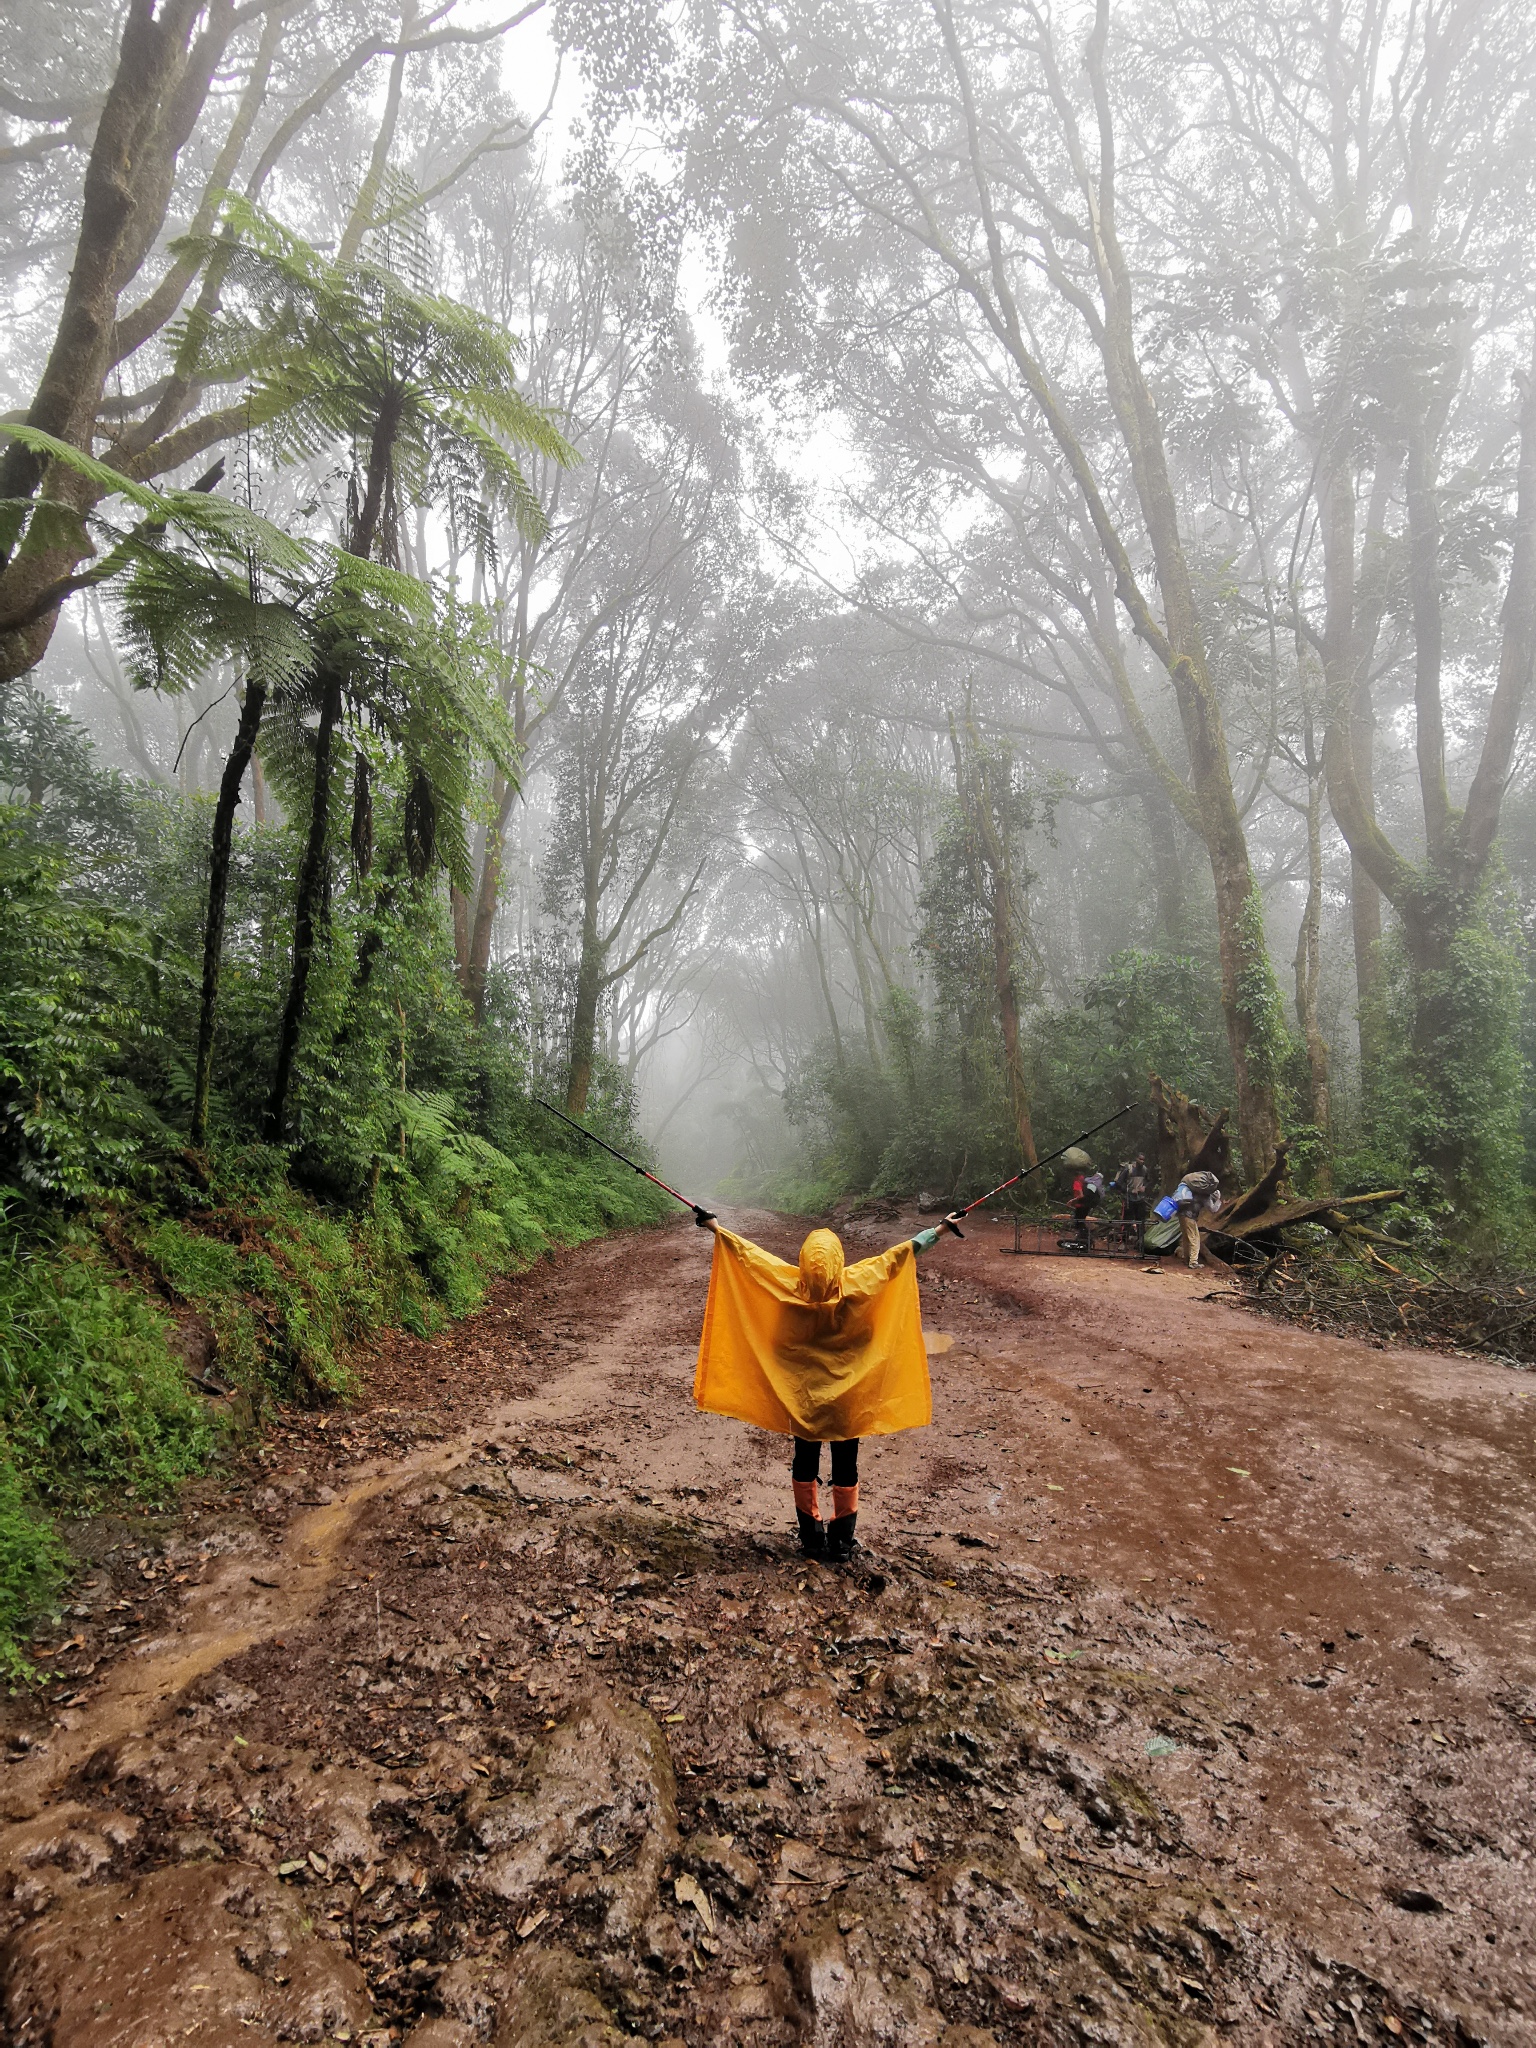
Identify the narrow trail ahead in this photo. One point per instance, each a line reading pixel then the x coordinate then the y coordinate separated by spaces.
pixel 1183 1692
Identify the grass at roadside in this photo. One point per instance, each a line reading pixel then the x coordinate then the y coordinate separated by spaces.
pixel 100 1315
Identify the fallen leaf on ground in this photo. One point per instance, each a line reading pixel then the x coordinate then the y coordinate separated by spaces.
pixel 1057 1827
pixel 689 1892
pixel 1240 1470
pixel 1161 1746
pixel 532 1923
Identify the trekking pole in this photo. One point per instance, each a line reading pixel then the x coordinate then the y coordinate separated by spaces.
pixel 700 1213
pixel 1025 1171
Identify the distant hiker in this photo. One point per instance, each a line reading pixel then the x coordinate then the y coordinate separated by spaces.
pixel 1131 1180
pixel 823 1352
pixel 1197 1195
pixel 1087 1195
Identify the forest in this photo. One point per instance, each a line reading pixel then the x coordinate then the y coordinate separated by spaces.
pixel 830 588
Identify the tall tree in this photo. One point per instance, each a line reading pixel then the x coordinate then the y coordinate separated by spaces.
pixel 982 863
pixel 351 354
pixel 154 138
pixel 961 133
pixel 1371 172
pixel 607 358
pixel 659 690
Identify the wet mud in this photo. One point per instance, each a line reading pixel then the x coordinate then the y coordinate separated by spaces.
pixel 1181 1691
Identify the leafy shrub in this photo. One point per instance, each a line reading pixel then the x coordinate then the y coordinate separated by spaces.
pixel 420 1168
pixel 73 979
pixel 33 1564
pixel 1444 1115
pixel 95 1403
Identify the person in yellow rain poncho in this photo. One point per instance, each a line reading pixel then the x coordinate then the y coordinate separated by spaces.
pixel 820 1351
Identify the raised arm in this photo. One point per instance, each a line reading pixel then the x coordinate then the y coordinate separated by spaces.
pixel 925 1240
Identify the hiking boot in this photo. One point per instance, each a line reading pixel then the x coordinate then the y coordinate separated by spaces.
pixel 813 1535
pixel 840 1542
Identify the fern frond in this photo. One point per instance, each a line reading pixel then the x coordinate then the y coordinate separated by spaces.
pixel 110 482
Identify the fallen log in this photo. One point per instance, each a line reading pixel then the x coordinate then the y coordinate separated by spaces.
pixel 1238 1224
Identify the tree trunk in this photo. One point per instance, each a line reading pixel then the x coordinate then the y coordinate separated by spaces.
pixel 866 995
pixel 1008 1012
pixel 589 991
pixel 824 979
pixel 1364 896
pixel 1249 994
pixel 310 895
pixel 1167 872
pixel 1308 966
pixel 367 958
pixel 313 888
pixel 1442 898
pixel 1249 997
pixel 482 927
pixel 155 97
pixel 458 904
pixel 1186 1133
pixel 218 896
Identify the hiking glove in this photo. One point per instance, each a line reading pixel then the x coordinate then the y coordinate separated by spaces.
pixel 703 1217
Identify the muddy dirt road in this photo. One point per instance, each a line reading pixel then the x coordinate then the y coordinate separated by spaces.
pixel 1183 1691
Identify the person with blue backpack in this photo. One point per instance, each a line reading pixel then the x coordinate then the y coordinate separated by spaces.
pixel 1197 1194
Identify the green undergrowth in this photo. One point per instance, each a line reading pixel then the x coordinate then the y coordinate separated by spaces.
pixel 100 1314
pixel 790 1192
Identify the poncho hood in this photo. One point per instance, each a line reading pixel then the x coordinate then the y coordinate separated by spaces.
pixel 821 1266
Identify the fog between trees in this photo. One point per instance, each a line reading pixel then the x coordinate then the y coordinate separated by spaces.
pixel 909 567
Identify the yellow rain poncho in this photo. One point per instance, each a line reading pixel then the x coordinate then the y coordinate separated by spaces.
pixel 819 1350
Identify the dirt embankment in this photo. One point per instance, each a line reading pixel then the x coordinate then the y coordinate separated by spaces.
pixel 1183 1692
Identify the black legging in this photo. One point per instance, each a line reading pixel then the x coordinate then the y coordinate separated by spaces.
pixel 845 1461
